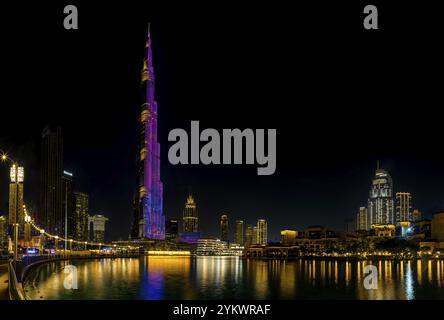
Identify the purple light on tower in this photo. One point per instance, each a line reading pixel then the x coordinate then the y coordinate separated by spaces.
pixel 149 221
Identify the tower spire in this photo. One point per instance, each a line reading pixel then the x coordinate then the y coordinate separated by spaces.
pixel 377 164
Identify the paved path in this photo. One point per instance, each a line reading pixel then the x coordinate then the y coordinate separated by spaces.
pixel 4 293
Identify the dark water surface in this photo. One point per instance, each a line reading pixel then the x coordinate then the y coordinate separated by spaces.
pixel 232 277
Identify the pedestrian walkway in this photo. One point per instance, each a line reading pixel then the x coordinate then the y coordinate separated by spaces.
pixel 4 293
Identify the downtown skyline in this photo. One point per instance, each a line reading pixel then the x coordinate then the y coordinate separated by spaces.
pixel 322 182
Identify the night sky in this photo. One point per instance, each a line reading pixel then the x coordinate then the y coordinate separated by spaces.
pixel 340 98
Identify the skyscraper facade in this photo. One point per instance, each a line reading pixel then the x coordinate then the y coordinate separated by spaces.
pixel 98 227
pixel 262 232
pixel 249 235
pixel 404 207
pixel 380 202
pixel 51 212
pixel 149 220
pixel 417 215
pixel 81 215
pixel 171 230
pixel 16 210
pixel 224 228
pixel 190 217
pixel 239 232
pixel 362 219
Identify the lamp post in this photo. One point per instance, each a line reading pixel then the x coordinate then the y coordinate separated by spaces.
pixel 56 244
pixel 42 238
pixel 5 157
pixel 70 246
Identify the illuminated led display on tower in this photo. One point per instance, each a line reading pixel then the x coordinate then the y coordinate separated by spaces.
pixel 149 220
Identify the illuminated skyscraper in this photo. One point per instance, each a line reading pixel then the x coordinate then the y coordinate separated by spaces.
pixel 149 220
pixel 380 202
pixel 171 230
pixel 98 227
pixel 224 228
pixel 262 233
pixel 362 219
pixel 80 216
pixel 16 210
pixel 249 235
pixel 404 207
pixel 190 218
pixel 51 211
pixel 239 233
pixel 417 215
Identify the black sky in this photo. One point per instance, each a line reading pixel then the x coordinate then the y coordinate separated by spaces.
pixel 339 97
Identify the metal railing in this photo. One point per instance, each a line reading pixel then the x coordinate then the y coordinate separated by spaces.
pixel 14 287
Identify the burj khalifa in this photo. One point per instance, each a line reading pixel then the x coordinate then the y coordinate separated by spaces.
pixel 149 220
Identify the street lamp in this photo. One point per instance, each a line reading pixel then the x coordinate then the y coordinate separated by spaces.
pixel 42 235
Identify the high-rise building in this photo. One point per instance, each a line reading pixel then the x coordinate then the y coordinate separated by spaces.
pixel 380 202
pixel 171 230
pixel 68 204
pixel 81 215
pixel 288 237
pixel 362 219
pixel 255 238
pixel 417 215
pixel 51 213
pixel 404 207
pixel 350 225
pixel 438 226
pixel 224 228
pixel 149 220
pixel 262 237
pixel 16 210
pixel 249 235
pixel 98 227
pixel 190 218
pixel 3 232
pixel 239 233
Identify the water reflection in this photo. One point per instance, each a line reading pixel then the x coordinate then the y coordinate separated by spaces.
pixel 226 278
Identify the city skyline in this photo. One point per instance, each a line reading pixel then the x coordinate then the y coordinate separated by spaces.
pixel 305 188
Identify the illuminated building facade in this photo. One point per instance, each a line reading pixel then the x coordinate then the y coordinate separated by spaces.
pixel 362 219
pixel 171 230
pixel 403 207
pixel 190 217
pixel 380 202
pixel 224 228
pixel 349 225
pixel 288 237
pixel 438 226
pixel 239 233
pixel 51 210
pixel 16 210
pixel 262 232
pixel 417 215
pixel 149 220
pixel 81 216
pixel 249 235
pixel 98 227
